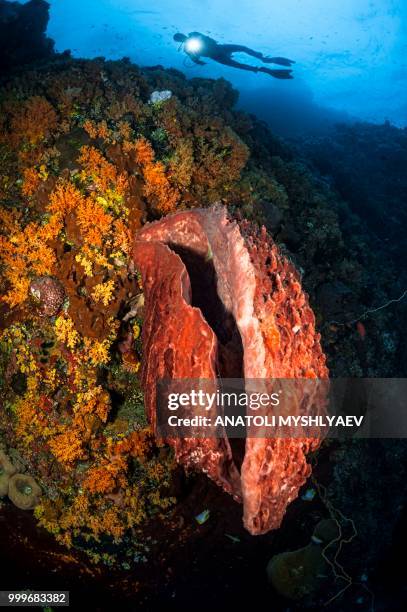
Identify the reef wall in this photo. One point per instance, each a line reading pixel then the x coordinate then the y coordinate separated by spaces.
pixel 89 155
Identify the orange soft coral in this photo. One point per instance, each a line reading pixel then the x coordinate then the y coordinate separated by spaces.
pixel 157 187
pixel 33 122
pixel 122 236
pixel 96 401
pixel 93 221
pixel 137 444
pixel 9 221
pixel 64 199
pixel 103 174
pixel 67 446
pixel 97 130
pixel 25 251
pixel 144 152
pixel 31 181
pixel 100 480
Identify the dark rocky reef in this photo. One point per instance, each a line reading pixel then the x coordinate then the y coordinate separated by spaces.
pixel 354 155
pixel 22 34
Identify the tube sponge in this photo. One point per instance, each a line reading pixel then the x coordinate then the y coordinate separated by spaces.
pixel 222 300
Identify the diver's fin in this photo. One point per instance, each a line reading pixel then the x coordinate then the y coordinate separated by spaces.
pixel 281 61
pixel 277 74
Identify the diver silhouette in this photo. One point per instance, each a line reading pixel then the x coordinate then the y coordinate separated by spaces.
pixel 197 45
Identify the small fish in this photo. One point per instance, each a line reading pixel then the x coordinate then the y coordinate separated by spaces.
pixel 234 539
pixel 316 540
pixel 202 517
pixel 309 495
pixel 361 329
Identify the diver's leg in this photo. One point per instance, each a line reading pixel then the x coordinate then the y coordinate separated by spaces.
pixel 228 61
pixel 277 74
pixel 281 61
pixel 242 49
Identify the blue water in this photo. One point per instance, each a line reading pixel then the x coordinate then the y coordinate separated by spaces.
pixel 350 54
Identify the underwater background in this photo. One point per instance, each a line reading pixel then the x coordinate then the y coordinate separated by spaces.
pixel 350 56
pixel 106 125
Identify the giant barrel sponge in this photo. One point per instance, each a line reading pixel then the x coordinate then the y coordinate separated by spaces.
pixel 221 300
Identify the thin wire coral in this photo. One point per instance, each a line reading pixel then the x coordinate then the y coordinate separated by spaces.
pixel 336 546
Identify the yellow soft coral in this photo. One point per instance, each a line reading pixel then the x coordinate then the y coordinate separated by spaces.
pixel 65 331
pixel 86 264
pixel 25 251
pixel 26 410
pixel 136 330
pixel 97 351
pixel 103 292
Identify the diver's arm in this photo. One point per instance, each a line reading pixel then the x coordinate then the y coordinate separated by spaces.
pixel 196 59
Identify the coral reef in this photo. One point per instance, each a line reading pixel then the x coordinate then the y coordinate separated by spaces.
pixel 220 298
pixel 87 159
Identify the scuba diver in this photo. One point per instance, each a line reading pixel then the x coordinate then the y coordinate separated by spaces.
pixel 197 45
